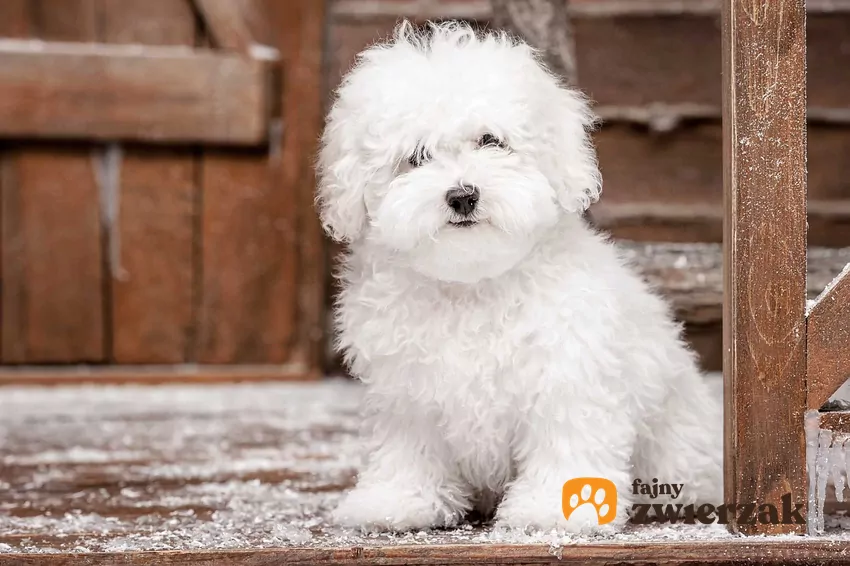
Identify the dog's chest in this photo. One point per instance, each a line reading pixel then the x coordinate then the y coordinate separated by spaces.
pixel 459 357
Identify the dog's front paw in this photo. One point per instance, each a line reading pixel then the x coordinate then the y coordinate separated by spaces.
pixel 388 509
pixel 528 508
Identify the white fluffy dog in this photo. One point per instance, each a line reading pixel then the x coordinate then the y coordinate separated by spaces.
pixel 506 347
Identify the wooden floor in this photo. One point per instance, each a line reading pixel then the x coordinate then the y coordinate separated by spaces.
pixel 246 474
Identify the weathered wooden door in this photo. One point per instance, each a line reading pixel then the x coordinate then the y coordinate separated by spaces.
pixel 155 174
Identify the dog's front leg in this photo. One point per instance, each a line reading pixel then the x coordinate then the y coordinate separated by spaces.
pixel 410 481
pixel 568 436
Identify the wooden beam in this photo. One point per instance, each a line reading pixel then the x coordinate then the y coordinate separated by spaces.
pixel 719 552
pixel 119 92
pixel 764 154
pixel 828 335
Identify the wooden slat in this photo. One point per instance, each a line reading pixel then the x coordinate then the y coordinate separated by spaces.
pixel 303 47
pixel 161 94
pixel 152 22
pixel 152 283
pixel 52 263
pixel 264 288
pixel 721 552
pixel 639 54
pixel 64 20
pixel 248 294
pixel 152 236
pixel 654 221
pixel 764 104
pixel 152 374
pixel 828 346
pixel 15 18
pixel 229 22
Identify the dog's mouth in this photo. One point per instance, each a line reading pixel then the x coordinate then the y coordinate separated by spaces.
pixel 463 223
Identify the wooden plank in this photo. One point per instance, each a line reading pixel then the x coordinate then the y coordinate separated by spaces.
pixel 90 471
pixel 152 374
pixel 152 22
pixel 412 9
pixel 727 552
pixel 13 285
pixel 14 22
pixel 639 54
pixel 52 263
pixel 14 18
pixel 114 92
pixel 248 293
pixel 620 8
pixel 231 24
pixel 828 342
pixel 152 240
pixel 263 288
pixel 153 278
pixel 301 33
pixel 654 221
pixel 64 20
pixel 764 106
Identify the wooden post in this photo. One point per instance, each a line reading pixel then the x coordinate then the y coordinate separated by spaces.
pixel 764 123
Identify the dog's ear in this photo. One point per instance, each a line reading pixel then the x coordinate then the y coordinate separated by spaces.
pixel 571 158
pixel 342 180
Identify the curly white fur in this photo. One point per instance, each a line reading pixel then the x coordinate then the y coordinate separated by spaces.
pixel 504 358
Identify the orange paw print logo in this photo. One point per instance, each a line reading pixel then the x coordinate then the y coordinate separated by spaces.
pixel 596 493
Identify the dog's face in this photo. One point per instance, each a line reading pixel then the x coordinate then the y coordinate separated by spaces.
pixel 454 150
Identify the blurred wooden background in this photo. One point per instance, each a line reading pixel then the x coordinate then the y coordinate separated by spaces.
pixel 157 199
pixel 156 213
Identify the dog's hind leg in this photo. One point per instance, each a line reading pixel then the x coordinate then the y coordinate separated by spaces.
pixel 682 443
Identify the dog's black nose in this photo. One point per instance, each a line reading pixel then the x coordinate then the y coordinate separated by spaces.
pixel 463 199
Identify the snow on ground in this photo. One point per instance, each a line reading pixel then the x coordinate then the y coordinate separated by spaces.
pixel 117 468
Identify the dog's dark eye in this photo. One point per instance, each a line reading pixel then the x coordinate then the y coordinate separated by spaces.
pixel 489 140
pixel 419 157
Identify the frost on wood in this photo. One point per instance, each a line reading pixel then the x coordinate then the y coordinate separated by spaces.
pixel 109 469
pixel 811 304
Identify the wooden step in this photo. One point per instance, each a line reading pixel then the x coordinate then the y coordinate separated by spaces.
pixel 690 276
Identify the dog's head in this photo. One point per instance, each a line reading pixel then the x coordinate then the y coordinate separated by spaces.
pixel 455 149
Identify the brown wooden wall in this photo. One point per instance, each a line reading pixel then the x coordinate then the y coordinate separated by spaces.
pixel 120 252
pixel 144 252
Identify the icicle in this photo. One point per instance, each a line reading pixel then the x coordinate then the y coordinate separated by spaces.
pixel 108 170
pixel 822 473
pixel 846 450
pixel 837 464
pixel 812 428
pixel 275 139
